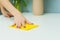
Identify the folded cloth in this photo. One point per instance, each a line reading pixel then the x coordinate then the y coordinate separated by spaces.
pixel 27 26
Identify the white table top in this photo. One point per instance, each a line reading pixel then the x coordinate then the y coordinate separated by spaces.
pixel 49 28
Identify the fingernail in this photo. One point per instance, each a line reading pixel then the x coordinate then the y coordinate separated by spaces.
pixel 24 26
pixel 17 27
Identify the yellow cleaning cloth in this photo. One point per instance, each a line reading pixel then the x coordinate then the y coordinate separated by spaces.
pixel 27 26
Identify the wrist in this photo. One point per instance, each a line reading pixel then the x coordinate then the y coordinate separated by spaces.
pixel 17 14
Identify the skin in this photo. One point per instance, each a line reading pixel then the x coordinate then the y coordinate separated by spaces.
pixel 19 19
pixel 4 12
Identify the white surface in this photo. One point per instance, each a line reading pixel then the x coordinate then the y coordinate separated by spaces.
pixel 49 28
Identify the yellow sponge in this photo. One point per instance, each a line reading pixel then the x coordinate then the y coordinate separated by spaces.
pixel 27 26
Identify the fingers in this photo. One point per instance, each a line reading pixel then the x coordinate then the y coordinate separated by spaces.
pixel 28 22
pixel 18 24
pixel 5 13
pixel 22 23
pixel 10 14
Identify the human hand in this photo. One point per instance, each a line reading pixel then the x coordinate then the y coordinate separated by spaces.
pixel 20 20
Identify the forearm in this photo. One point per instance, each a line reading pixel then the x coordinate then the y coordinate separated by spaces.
pixel 6 4
pixel 3 11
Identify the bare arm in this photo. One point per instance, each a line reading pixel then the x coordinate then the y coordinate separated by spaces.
pixel 6 4
pixel 19 19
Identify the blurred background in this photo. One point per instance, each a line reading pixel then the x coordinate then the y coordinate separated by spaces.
pixel 50 6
